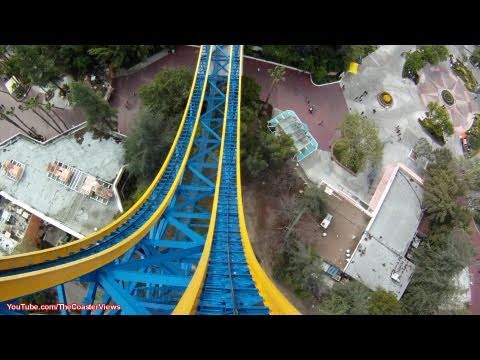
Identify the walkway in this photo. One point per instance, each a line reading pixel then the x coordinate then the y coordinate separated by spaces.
pixel 328 101
pixel 7 130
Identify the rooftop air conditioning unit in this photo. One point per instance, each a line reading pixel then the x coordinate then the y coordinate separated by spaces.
pixel 396 277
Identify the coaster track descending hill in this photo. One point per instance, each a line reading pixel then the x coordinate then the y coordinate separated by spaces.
pixel 134 260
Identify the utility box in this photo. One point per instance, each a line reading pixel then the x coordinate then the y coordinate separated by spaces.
pixel 326 222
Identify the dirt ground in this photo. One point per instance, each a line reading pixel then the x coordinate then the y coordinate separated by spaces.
pixel 344 231
pixel 261 208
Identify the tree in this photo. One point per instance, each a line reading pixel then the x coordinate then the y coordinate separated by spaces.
pixel 11 111
pixel 118 56
pixel 382 302
pixel 277 74
pixel 100 115
pixel 34 64
pixel 314 200
pixel 441 256
pixel 434 54
pixel 440 192
pixel 3 116
pixel 48 107
pixel 168 91
pixel 440 117
pixel 359 143
pixel 475 57
pixel 74 59
pixel 250 92
pixel 32 104
pixel 357 52
pixel 147 146
pixel 346 298
pixel 423 149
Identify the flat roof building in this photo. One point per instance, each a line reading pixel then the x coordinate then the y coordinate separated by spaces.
pixel 379 259
pixel 70 208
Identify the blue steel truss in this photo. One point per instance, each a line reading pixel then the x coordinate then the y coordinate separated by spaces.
pixel 158 194
pixel 151 277
pixel 229 288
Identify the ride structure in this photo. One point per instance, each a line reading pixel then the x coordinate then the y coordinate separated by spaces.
pixel 183 248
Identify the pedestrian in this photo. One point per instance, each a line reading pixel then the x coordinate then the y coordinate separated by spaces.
pixel 343 87
pixel 127 105
pixel 258 70
pixel 308 101
pixel 374 111
pixel 362 112
pixel 134 93
pixel 310 109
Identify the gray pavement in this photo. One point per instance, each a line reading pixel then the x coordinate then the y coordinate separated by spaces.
pixel 380 71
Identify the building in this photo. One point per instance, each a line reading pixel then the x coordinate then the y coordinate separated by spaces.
pixel 379 260
pixel 67 181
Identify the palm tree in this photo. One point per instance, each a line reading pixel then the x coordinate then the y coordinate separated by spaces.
pixel 11 111
pixel 3 116
pixel 277 74
pixel 31 104
pixel 50 107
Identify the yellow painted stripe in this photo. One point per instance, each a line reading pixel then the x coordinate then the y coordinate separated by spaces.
pixel 36 257
pixel 21 284
pixel 273 298
pixel 189 300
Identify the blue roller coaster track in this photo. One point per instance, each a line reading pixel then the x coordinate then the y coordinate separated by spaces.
pixel 183 247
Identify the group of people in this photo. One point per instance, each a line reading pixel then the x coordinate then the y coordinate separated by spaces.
pixel 360 98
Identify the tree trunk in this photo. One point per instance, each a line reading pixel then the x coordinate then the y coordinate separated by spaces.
pixel 5 117
pixel 59 118
pixel 50 116
pixel 21 121
pixel 46 121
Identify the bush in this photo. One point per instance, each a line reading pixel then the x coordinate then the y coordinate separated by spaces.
pixel 466 75
pixel 474 133
pixel 438 122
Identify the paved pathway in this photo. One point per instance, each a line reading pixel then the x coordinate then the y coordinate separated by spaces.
pixel 7 130
pixel 434 80
pixel 291 94
pixel 475 271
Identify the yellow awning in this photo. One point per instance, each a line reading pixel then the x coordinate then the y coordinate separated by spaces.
pixel 353 67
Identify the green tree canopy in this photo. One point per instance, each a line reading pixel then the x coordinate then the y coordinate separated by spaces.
pixel 433 54
pixel 441 256
pixel 100 115
pixel 359 143
pixel 358 52
pixel 383 302
pixel 423 149
pixel 33 64
pixel 168 91
pixel 349 298
pixel 147 146
pixel 440 117
pixel 475 57
pixel 119 56
pixel 314 200
pixel 440 192
pixel 250 92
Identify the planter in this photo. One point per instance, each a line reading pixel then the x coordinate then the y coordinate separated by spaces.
pixel 334 158
pixel 385 99
pixel 448 97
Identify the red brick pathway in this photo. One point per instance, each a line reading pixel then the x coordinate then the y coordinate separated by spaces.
pixel 328 100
